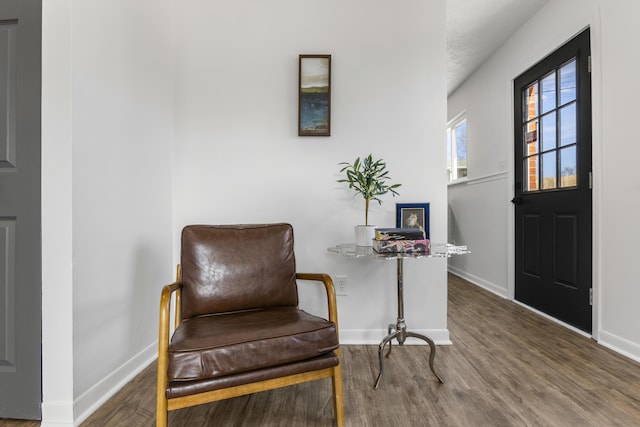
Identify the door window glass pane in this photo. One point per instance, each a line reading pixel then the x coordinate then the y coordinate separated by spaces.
pixel 531 138
pixel 549 132
pixel 568 167
pixel 531 173
pixel 568 82
pixel 548 101
pixel 549 170
pixel 531 102
pixel 568 124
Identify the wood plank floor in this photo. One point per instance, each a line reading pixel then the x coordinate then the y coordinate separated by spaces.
pixel 507 367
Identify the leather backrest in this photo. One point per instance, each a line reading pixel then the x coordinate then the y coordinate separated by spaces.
pixel 237 267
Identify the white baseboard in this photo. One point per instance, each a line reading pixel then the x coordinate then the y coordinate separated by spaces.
pixel 374 336
pixel 96 396
pixel 484 284
pixel 57 414
pixel 619 345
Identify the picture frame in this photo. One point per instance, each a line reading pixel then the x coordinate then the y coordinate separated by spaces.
pixel 413 215
pixel 314 95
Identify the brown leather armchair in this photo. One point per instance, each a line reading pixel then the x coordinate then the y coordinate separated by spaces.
pixel 237 326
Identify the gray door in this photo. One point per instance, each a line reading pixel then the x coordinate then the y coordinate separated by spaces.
pixel 20 248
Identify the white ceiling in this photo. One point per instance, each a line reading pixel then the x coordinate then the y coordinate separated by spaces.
pixel 476 28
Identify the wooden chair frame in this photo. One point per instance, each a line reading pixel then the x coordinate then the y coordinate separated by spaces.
pixel 164 404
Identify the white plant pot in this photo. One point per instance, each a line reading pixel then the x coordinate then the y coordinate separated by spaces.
pixel 365 235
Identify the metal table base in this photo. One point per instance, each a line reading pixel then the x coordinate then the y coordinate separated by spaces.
pixel 400 333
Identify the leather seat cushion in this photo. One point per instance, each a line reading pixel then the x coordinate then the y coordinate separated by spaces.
pixel 223 344
pixel 187 388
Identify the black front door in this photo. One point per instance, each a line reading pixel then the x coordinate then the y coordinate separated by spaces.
pixel 553 220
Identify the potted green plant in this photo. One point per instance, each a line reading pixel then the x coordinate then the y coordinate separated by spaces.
pixel 368 178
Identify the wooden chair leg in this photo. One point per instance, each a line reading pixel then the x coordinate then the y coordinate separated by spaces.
pixel 338 403
pixel 161 413
pixel 162 404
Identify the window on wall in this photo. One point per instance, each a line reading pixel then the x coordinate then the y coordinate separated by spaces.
pixel 457 148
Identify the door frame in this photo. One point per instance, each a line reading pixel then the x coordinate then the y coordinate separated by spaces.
pixel 58 401
pixel 597 170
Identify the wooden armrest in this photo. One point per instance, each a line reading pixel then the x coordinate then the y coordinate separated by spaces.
pixel 165 310
pixel 331 292
pixel 163 334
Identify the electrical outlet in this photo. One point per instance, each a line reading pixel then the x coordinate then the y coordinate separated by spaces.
pixel 342 287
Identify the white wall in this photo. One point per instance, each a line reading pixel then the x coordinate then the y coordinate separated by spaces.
pixel 238 158
pixel 487 98
pixel 476 211
pixel 107 104
pixel 619 292
pixel 114 87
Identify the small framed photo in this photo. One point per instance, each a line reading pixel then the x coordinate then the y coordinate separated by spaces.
pixel 314 95
pixel 413 215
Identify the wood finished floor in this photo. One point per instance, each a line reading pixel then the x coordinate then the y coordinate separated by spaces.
pixel 507 367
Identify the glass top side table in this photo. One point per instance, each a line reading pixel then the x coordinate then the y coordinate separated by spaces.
pixel 399 331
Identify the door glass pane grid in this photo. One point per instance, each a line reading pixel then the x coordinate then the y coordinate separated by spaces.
pixel 568 123
pixel 530 168
pixel 549 170
pixel 530 102
pixel 550 130
pixel 531 154
pixel 568 82
pixel 548 100
pixel 530 133
pixel 568 167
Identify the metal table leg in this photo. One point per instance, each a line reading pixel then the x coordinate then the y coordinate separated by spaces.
pixel 399 332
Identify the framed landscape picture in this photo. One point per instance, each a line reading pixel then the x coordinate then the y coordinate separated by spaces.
pixel 413 215
pixel 314 95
